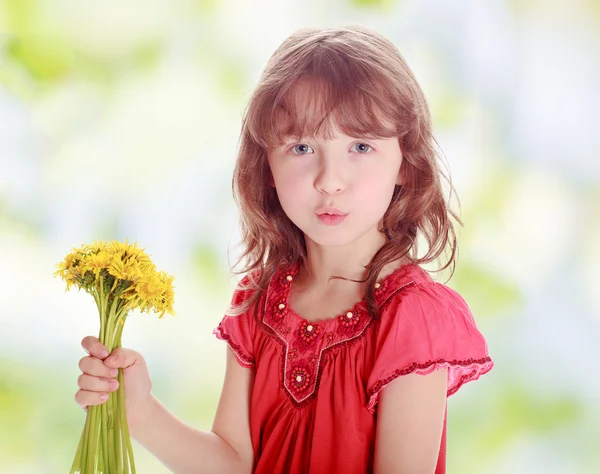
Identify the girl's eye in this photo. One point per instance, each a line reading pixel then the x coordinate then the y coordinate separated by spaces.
pixel 361 148
pixel 302 149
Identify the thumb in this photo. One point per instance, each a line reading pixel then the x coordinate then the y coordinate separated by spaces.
pixel 122 358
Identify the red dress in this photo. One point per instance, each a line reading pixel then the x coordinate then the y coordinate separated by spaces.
pixel 314 401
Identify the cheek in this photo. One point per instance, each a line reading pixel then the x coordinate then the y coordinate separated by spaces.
pixel 376 196
pixel 291 180
pixel 291 191
pixel 377 187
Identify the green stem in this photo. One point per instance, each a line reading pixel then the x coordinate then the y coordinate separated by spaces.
pixel 76 466
pixel 127 449
pixel 117 437
pixel 89 461
pixel 105 443
pixel 102 311
pixel 104 434
pixel 99 431
pixel 119 403
pixel 114 314
pixel 101 464
pixel 111 434
pixel 122 417
pixel 86 439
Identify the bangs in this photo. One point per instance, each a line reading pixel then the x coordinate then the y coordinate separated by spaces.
pixel 358 100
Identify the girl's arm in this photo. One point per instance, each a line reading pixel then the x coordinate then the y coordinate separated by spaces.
pixel 227 448
pixel 410 422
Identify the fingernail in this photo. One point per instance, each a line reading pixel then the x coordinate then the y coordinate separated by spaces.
pixel 104 396
pixel 103 352
pixel 114 372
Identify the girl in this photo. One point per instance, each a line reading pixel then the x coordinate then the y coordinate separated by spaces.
pixel 342 350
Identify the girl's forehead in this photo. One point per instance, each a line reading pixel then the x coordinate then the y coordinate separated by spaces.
pixel 320 109
pixel 332 132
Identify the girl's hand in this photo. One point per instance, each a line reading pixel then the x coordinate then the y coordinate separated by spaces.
pixel 98 379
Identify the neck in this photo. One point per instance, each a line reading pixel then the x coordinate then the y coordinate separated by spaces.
pixel 348 261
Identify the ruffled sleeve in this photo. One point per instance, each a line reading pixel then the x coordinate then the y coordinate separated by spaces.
pixel 423 328
pixel 239 331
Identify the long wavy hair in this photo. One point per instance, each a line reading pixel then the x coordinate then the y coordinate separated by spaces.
pixel 360 82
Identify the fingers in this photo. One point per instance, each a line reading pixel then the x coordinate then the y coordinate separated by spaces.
pixel 97 380
pixel 85 398
pixel 97 384
pixel 93 366
pixel 93 347
pixel 122 358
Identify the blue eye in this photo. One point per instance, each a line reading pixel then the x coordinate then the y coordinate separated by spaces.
pixel 361 148
pixel 302 149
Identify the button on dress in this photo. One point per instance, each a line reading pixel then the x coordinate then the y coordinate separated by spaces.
pixel 314 400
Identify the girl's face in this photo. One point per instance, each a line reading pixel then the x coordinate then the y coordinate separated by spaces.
pixel 353 177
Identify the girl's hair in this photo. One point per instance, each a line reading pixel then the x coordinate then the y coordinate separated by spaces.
pixel 356 79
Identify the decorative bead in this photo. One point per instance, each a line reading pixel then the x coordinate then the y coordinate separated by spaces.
pixel 309 328
pixel 377 285
pixel 281 306
pixel 349 315
pixel 289 278
pixel 300 378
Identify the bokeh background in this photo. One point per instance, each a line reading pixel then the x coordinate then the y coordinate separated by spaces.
pixel 121 120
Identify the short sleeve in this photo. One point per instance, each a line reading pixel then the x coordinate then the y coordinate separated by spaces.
pixel 238 331
pixel 424 328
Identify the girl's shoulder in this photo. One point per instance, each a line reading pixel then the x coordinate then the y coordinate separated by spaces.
pixel 419 308
pixel 237 326
pixel 412 286
pixel 425 325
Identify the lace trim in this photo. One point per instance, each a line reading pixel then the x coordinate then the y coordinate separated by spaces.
pixel 243 358
pixel 314 360
pixel 478 368
pixel 306 344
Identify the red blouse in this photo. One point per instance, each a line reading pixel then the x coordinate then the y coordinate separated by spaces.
pixel 313 405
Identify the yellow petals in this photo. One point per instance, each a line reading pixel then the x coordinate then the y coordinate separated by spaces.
pixel 119 270
pixel 95 262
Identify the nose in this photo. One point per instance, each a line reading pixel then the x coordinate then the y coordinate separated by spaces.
pixel 330 178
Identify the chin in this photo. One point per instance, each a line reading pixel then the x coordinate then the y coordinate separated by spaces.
pixel 332 238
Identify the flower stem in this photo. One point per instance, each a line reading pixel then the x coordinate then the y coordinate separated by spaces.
pixel 86 439
pixel 104 433
pixel 76 466
pixel 105 444
pixel 89 462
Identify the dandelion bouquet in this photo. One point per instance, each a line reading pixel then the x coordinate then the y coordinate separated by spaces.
pixel 120 277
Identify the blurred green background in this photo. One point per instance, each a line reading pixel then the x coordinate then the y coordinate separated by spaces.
pixel 121 120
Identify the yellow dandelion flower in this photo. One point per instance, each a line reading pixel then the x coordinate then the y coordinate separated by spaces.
pixel 167 295
pixel 125 269
pixel 130 251
pixel 95 248
pixel 96 262
pixel 149 288
pixel 70 270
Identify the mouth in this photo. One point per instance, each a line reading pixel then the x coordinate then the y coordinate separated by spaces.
pixel 330 211
pixel 332 218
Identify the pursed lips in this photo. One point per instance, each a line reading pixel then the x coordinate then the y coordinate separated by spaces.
pixel 332 211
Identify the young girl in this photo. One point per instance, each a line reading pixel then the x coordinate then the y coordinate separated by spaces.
pixel 342 350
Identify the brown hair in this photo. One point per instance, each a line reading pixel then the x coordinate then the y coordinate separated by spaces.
pixel 360 82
